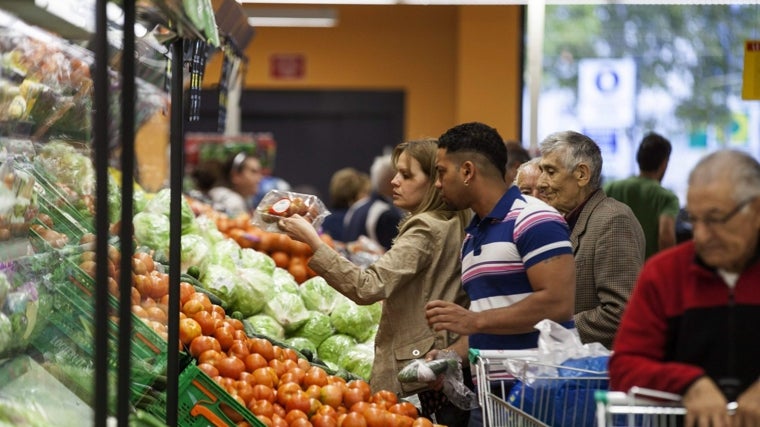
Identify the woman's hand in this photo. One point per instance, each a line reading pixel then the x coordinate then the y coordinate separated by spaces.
pixel 300 229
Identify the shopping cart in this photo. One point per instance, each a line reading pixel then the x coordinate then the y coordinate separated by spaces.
pixel 641 407
pixel 539 394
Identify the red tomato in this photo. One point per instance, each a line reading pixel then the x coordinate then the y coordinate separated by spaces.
pixel 361 385
pixel 422 422
pixel 321 420
pixel 331 394
pixel 299 401
pixel 254 361
pixel 315 376
pixel 404 408
pixel 210 357
pixel 376 417
pixel 238 349
pixel 230 367
pixel 261 346
pixel 352 419
pixel 295 415
pixel 384 398
pixel 204 318
pixel 352 396
pixel 203 343
pixel 224 334
pixel 186 290
pixel 209 369
pixel 262 392
pixel 266 376
pixel 188 330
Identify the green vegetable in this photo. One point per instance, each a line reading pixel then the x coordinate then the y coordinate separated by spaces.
pixel 266 325
pixel 414 371
pixel 5 286
pixel 161 204
pixel 316 329
pixel 352 319
pixel 288 310
pixel 334 347
pixel 318 295
pixel 6 333
pixel 250 258
pixel 194 271
pixel 301 344
pixel 194 250
pixel 358 360
pixel 284 281
pixel 152 230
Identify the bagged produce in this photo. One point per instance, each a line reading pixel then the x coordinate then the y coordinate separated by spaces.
pixel 352 319
pixel 278 204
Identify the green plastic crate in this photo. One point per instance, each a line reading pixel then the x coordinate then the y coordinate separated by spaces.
pixel 203 402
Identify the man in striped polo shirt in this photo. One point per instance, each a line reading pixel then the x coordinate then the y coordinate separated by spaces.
pixel 517 262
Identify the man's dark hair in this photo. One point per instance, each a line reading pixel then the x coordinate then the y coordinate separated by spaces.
pixel 477 138
pixel 653 150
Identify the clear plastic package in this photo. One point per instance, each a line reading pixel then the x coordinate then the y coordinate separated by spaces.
pixel 278 204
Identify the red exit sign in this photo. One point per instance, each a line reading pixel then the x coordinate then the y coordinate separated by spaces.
pixel 287 66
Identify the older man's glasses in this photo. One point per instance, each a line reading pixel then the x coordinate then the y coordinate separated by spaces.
pixel 713 221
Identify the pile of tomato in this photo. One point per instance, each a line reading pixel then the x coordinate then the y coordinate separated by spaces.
pixel 280 388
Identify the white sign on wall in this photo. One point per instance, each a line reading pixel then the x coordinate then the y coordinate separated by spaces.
pixel 607 93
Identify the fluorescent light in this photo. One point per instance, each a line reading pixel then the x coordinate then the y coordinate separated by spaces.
pixel 265 17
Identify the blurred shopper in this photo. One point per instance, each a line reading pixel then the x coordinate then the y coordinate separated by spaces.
pixel 423 264
pixel 608 242
pixel 347 186
pixel 516 155
pixel 375 216
pixel 517 263
pixel 691 326
pixel 229 187
pixel 655 207
pixel 526 178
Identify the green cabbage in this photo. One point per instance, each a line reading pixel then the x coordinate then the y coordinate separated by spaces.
pixel 376 310
pixel 152 230
pixel 225 253
pixel 236 290
pixel 316 329
pixel 334 347
pixel 161 204
pixel 250 258
pixel 194 250
pixel 318 295
pixel 358 360
pixel 352 319
pixel 266 325
pixel 208 229
pixel 288 310
pixel 284 281
pixel 301 344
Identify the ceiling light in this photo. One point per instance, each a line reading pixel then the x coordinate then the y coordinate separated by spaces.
pixel 265 17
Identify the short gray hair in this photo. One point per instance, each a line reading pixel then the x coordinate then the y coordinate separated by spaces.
pixel 578 148
pixel 736 166
pixel 382 171
pixel 525 165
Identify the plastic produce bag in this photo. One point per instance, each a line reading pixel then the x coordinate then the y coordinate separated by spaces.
pixel 278 204
pixel 558 385
pixel 448 364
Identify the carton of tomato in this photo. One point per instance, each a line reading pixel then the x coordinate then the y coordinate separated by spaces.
pixel 278 204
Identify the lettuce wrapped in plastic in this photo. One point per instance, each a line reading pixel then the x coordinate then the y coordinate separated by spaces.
pixel 67 165
pixel 284 281
pixel 316 329
pixel 161 204
pixel 6 333
pixel 301 344
pixel 318 295
pixel 225 253
pixel 266 325
pixel 245 292
pixel 152 230
pixel 194 250
pixel 208 229
pixel 334 347
pixel 288 310
pixel 376 310
pixel 352 319
pixel 250 258
pixel 358 360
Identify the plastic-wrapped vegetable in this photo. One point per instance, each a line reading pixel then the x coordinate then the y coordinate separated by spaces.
pixel 266 325
pixel 318 295
pixel 352 319
pixel 317 329
pixel 420 370
pixel 288 310
pixel 358 360
pixel 334 347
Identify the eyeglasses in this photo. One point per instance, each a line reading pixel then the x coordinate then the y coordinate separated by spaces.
pixel 712 221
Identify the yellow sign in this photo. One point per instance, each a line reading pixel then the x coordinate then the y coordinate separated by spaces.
pixel 751 75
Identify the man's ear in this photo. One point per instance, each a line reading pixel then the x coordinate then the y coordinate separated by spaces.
pixel 467 169
pixel 582 174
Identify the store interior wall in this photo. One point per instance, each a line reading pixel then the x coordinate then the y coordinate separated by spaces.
pixel 454 63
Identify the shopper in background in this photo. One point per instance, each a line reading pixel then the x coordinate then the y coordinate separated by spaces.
pixel 516 155
pixel 691 326
pixel 229 187
pixel 375 216
pixel 347 186
pixel 423 264
pixel 526 178
pixel 517 263
pixel 655 207
pixel 608 242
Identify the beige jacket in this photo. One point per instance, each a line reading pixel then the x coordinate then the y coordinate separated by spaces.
pixel 422 265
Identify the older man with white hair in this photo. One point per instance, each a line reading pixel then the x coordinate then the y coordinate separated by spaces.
pixel 691 326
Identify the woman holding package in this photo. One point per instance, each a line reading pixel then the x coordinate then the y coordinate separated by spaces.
pixel 422 265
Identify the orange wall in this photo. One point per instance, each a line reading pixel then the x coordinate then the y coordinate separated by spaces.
pixel 455 64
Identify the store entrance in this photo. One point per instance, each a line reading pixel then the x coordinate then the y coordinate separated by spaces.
pixel 317 131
